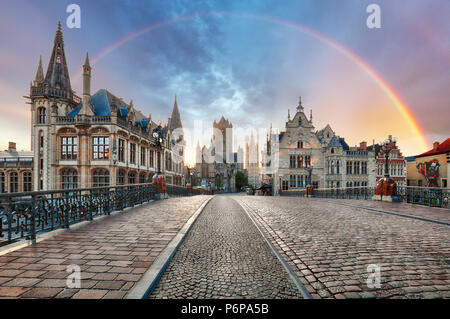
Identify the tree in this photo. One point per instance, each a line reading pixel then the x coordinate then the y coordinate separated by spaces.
pixel 241 180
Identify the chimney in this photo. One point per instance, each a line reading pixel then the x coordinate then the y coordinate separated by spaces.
pixel 435 146
pixel 363 146
pixel 11 147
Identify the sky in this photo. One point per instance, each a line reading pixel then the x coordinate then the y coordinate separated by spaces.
pixel 248 60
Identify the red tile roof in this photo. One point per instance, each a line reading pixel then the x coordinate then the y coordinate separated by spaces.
pixel 443 147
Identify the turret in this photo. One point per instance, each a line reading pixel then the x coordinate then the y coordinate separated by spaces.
pixel 86 108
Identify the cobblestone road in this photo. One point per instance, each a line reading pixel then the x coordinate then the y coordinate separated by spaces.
pixel 224 256
pixel 330 246
pixel 112 253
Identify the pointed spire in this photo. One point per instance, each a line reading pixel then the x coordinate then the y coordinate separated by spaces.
pixel 86 60
pixel 289 114
pixel 310 116
pixel 300 106
pixel 86 102
pixel 57 75
pixel 40 73
pixel 175 118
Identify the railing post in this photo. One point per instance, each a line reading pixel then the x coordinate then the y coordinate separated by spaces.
pixel 9 217
pixel 33 219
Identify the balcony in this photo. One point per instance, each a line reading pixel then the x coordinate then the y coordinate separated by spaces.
pixel 83 119
pixel 53 92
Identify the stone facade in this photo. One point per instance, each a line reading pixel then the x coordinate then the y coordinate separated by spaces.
pixel 217 165
pixel 16 170
pixel 300 156
pixel 96 140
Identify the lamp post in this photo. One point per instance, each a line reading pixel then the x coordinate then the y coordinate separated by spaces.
pixel 386 187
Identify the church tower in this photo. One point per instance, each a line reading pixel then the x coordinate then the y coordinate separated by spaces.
pixel 50 96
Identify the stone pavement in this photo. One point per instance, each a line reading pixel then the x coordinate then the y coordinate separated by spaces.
pixel 224 256
pixel 441 214
pixel 330 246
pixel 113 253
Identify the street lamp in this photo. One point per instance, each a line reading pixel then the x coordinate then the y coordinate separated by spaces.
pixel 386 187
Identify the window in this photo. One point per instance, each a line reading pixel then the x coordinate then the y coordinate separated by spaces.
pixel 292 181
pixel 101 177
pixel 121 150
pixel 151 158
pixel 284 185
pixel 131 178
pixel 133 153
pixel 300 181
pixel 420 182
pixel 41 140
pixel 338 164
pixel 27 186
pixel 349 167
pixel 42 117
pixel 2 182
pixel 69 178
pixel 101 147
pixel 292 161
pixel 120 177
pixel 444 183
pixel 299 161
pixel 142 178
pixel 364 168
pixel 356 168
pixel 300 144
pixel 13 182
pixel 143 150
pixel 307 161
pixel 69 148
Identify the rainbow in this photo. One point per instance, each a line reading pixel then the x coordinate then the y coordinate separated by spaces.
pixel 402 107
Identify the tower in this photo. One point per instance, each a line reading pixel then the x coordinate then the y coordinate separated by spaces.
pixel 50 96
pixel 85 107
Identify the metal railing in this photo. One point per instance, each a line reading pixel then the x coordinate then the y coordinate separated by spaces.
pixel 23 215
pixel 427 196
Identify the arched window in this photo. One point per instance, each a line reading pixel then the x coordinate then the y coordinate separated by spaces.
pixel 142 178
pixel 299 144
pixel 69 178
pixel 2 182
pixel 120 177
pixel 41 112
pixel 131 178
pixel 13 182
pixel 27 186
pixel 100 177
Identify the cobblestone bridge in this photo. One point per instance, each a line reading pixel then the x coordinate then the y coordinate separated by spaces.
pixel 242 247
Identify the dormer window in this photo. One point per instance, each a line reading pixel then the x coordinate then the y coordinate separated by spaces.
pixel 300 144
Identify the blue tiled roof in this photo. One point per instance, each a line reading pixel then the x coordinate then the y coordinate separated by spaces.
pixel 144 123
pixel 123 111
pixel 99 103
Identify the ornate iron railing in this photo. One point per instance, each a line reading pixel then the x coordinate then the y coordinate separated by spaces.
pixel 428 196
pixel 23 215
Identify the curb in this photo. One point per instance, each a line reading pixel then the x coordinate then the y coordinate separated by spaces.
pixel 41 237
pixel 150 279
pixel 301 288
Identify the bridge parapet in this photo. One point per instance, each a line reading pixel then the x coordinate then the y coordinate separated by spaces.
pixel 23 215
pixel 427 196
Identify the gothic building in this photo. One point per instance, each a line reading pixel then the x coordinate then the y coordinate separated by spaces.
pixel 96 139
pixel 300 156
pixel 251 164
pixel 217 165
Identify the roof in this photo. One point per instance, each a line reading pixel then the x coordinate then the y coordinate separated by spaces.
pixel 16 154
pixel 444 147
pixel 338 142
